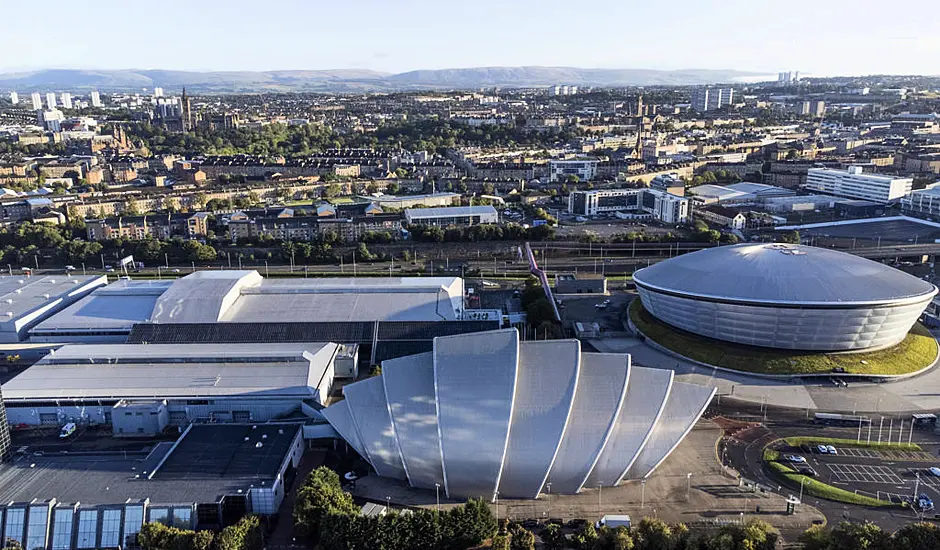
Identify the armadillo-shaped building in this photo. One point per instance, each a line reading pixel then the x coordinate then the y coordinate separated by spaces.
pixel 485 414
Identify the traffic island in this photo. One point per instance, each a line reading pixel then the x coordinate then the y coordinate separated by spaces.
pixel 915 353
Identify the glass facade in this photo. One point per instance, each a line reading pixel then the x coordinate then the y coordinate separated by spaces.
pixel 133 520
pixel 13 527
pixel 110 528
pixel 183 518
pixel 38 527
pixel 87 529
pixel 62 528
pixel 159 515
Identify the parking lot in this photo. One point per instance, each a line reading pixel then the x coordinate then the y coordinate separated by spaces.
pixel 880 473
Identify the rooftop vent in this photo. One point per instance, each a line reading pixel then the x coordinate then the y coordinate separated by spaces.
pixel 9 314
pixel 46 296
pixel 9 300
pixel 258 445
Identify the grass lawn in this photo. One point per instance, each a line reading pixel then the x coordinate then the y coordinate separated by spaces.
pixel 819 489
pixel 914 353
pixel 797 441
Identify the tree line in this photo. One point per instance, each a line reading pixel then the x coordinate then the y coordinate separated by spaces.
pixel 244 535
pixel 326 517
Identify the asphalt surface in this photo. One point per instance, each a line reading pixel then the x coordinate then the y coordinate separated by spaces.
pixel 884 475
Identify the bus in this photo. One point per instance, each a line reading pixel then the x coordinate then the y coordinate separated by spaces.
pixel 833 419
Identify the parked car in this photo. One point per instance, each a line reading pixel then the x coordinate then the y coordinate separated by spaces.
pixel 806 471
pixel 796 459
pixel 831 450
pixel 822 449
pixel 934 471
pixel 924 502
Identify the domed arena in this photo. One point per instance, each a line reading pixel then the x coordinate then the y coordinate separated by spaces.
pixel 785 296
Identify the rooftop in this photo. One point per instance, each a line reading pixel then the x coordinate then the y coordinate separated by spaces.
pixel 211 460
pixel 20 295
pixel 117 306
pixel 783 274
pixel 446 211
pixel 110 371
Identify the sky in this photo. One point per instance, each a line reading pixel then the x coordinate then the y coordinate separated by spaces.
pixel 823 38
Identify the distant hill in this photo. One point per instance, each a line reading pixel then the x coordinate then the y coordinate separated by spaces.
pixel 356 79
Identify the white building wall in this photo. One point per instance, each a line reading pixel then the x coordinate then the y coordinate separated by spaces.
pixel 857 185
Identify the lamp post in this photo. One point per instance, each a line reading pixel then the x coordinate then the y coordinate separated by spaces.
pixel 388 503
pixel 688 488
pixel 548 487
pixel 600 487
pixel 496 496
pixel 437 495
pixel 642 493
pixel 802 481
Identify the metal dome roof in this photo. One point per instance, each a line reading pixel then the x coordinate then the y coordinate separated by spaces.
pixel 782 274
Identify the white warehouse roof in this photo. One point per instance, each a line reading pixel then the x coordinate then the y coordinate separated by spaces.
pixel 245 296
pixel 449 212
pixel 26 300
pixel 170 370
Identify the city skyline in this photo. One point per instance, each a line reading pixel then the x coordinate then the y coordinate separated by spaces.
pixel 838 40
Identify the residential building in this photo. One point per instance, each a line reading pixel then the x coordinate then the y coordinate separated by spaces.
pixel 561 170
pixel 723 216
pixel 158 92
pixel 159 226
pixel 662 205
pixel 712 99
pixel 51 119
pixel 66 100
pixel 37 101
pixel 95 99
pixel 454 215
pixel 14 98
pixel 50 100
pixel 854 184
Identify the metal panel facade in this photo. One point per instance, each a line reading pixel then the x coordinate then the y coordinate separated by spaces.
pixel 545 387
pixel 475 380
pixel 409 387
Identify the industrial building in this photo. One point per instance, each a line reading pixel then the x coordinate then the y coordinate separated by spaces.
pixel 93 383
pixel 26 301
pixel 580 283
pixel 923 202
pixel 452 215
pixel 209 478
pixel 785 296
pixel 738 193
pixel 109 314
pixel 657 203
pixel 854 184
pixel 485 414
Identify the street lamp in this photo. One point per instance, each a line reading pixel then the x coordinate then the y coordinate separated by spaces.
pixel 548 487
pixel 496 496
pixel 437 495
pixel 688 489
pixel 642 493
pixel 388 503
pixel 802 481
pixel 600 487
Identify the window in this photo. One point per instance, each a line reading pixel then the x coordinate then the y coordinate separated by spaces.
pixel 62 529
pixel 38 527
pixel 160 515
pixel 182 518
pixel 87 528
pixel 133 519
pixel 110 528
pixel 14 524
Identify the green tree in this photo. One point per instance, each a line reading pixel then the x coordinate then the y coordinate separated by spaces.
pixel 553 537
pixel 244 535
pixel 614 539
pixel 319 499
pixel 858 536
pixel 915 536
pixel 651 534
pixel 522 539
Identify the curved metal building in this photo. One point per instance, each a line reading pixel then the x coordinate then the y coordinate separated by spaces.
pixel 785 296
pixel 485 414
